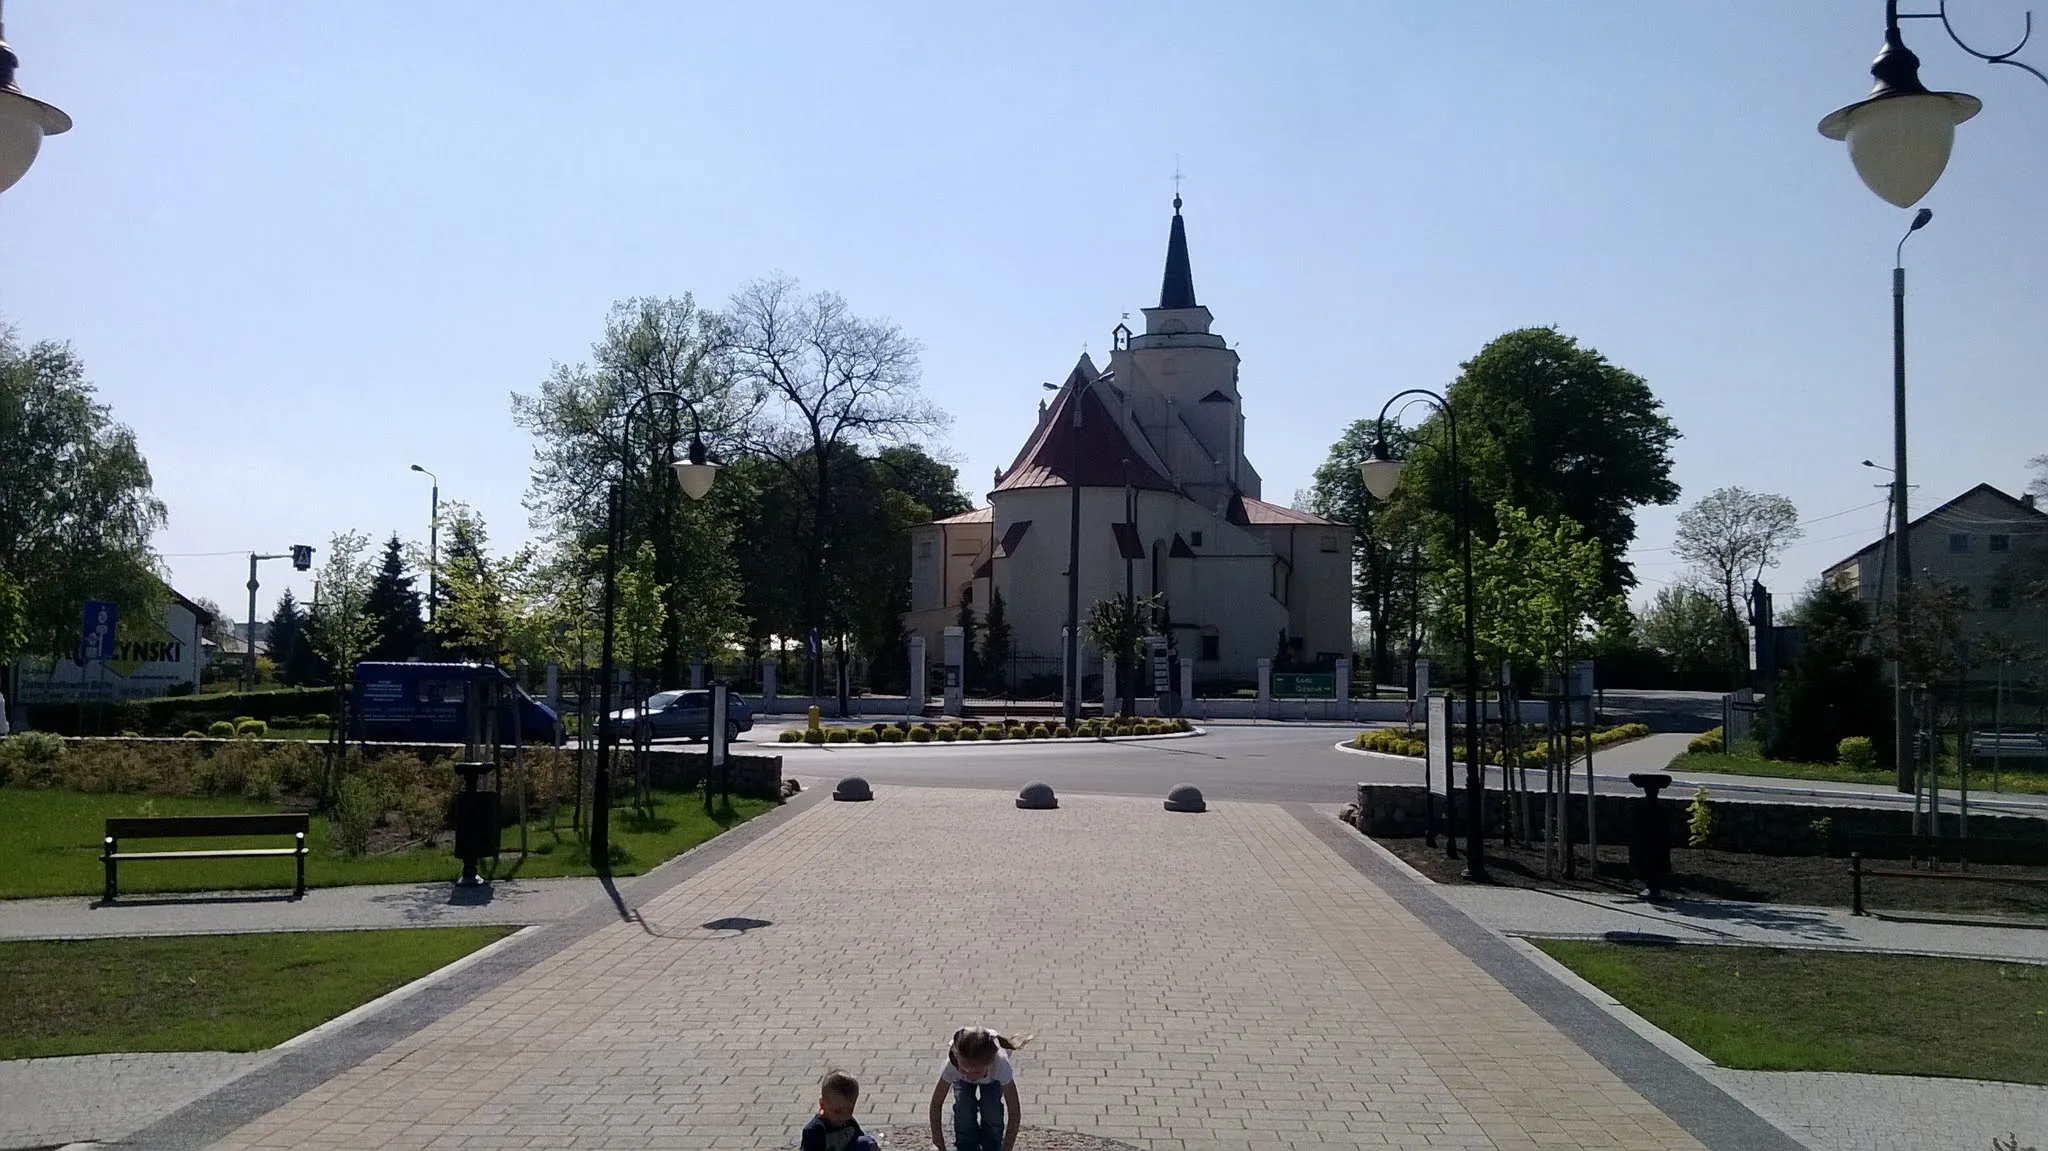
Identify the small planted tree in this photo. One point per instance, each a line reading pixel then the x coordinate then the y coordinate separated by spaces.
pixel 996 643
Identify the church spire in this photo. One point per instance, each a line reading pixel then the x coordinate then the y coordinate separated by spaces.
pixel 1177 290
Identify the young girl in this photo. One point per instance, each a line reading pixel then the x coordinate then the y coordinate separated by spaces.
pixel 983 1084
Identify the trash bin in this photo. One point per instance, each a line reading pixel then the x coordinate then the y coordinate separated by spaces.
pixel 476 821
pixel 1649 842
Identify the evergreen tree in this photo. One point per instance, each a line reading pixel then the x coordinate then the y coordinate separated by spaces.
pixel 970 671
pixel 395 606
pixel 996 643
pixel 1833 688
pixel 297 665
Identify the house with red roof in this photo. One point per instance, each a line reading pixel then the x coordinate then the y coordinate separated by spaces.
pixel 1169 504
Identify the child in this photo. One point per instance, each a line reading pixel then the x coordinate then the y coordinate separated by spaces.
pixel 983 1084
pixel 833 1128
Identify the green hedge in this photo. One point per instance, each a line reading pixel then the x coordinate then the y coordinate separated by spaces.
pixel 175 714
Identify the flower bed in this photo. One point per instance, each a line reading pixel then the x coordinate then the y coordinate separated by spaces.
pixel 1392 741
pixel 906 731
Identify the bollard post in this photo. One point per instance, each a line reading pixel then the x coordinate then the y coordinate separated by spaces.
pixel 1856 883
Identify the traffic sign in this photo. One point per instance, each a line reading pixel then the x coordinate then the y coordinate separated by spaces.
pixel 1302 685
pixel 96 632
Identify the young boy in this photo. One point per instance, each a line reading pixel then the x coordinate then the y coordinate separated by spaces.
pixel 833 1128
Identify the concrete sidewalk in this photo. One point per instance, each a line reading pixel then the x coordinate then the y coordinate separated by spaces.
pixel 512 901
pixel 1556 914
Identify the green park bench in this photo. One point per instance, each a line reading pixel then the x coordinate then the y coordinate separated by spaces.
pixel 208 827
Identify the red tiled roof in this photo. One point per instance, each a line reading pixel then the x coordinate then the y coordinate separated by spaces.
pixel 1244 510
pixel 977 516
pixel 1048 459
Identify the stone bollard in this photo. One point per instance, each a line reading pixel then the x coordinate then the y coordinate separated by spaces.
pixel 1037 796
pixel 1649 844
pixel 1186 797
pixel 853 789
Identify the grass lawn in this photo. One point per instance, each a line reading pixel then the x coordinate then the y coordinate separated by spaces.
pixel 206 992
pixel 2026 782
pixel 50 845
pixel 1769 1010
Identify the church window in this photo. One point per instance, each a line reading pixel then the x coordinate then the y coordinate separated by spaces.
pixel 1329 542
pixel 924 549
pixel 1194 539
pixel 1212 648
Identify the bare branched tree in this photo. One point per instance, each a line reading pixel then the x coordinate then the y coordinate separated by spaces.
pixel 1731 537
pixel 829 382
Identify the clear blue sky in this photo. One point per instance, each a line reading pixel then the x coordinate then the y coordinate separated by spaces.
pixel 303 246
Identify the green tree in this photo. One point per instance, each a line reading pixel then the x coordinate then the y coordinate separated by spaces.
pixel 997 644
pixel 970 652
pixel 339 626
pixel 1552 427
pixel 77 508
pixel 640 611
pixel 1731 537
pixel 826 380
pixel 290 647
pixel 1116 628
pixel 1833 688
pixel 1537 587
pixel 577 418
pixel 1686 627
pixel 1380 543
pixel 475 614
pixel 396 607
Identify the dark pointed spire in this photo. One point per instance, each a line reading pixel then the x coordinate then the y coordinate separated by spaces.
pixel 1177 290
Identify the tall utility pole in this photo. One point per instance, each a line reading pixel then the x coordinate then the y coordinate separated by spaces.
pixel 249 641
pixel 1902 572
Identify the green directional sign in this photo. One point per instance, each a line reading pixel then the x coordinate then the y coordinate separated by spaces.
pixel 1304 685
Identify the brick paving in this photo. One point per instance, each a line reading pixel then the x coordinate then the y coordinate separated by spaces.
pixel 1196 982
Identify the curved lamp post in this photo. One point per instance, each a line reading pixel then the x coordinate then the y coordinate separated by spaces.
pixel 1382 476
pixel 24 121
pixel 694 475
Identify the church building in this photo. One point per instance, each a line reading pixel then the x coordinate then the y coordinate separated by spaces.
pixel 1169 503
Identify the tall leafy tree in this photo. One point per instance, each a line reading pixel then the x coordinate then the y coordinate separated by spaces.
pixel 1550 426
pixel 1538 593
pixel 826 380
pixel 77 507
pixel 577 418
pixel 475 614
pixel 1731 537
pixel 339 626
pixel 1686 627
pixel 395 605
pixel 1834 687
pixel 1380 543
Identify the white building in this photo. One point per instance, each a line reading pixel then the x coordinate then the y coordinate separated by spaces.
pixel 150 658
pixel 1162 430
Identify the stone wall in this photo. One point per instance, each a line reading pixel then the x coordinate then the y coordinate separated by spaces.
pixel 1754 826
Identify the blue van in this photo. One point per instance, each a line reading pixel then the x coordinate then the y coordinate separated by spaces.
pixel 422 703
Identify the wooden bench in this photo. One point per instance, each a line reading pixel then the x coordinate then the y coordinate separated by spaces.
pixel 208 827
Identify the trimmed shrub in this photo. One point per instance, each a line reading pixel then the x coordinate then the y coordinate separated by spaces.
pixel 945 734
pixel 195 735
pixel 221 729
pixel 1857 751
pixel 995 731
pixel 131 735
pixel 814 735
pixel 1183 724
pixel 1038 732
pixel 892 735
pixel 967 734
pixel 251 728
pixel 1706 743
pixel 1062 732
pixel 840 735
pixel 866 735
pixel 790 736
pixel 319 719
pixel 920 735
pixel 1123 729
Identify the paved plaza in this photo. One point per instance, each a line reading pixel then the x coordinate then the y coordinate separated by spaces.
pixel 1224 980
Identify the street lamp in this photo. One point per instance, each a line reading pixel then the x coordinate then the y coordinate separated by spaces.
pixel 1382 476
pixel 433 542
pixel 1900 135
pixel 694 475
pixel 24 121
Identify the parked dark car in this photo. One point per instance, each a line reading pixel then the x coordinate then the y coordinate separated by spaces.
pixel 685 715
